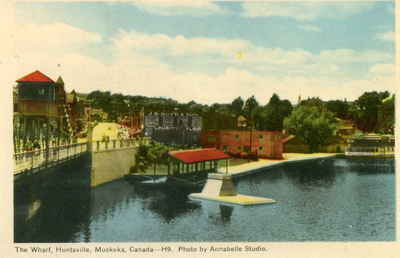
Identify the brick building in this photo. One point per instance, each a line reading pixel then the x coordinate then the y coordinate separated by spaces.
pixel 264 144
pixel 173 128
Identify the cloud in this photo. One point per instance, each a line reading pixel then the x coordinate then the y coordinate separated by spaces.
pixel 172 8
pixel 52 38
pixel 312 28
pixel 184 51
pixel 351 56
pixel 304 11
pixel 386 36
pixel 383 69
pixel 135 69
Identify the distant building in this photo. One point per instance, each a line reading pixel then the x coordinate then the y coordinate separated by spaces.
pixel 134 122
pixel 109 132
pixel 173 128
pixel 371 145
pixel 264 144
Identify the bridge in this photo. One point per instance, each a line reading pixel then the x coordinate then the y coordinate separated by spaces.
pixel 109 160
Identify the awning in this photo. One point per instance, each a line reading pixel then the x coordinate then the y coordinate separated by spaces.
pixel 199 155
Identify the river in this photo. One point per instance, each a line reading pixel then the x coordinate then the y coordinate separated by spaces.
pixel 335 199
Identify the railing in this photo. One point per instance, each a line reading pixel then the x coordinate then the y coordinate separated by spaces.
pixel 38 159
pixel 117 144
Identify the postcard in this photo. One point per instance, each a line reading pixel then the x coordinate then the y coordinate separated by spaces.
pixel 199 128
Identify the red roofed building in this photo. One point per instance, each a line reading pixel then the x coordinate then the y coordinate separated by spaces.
pixel 36 76
pixel 40 116
pixel 199 155
pixel 196 160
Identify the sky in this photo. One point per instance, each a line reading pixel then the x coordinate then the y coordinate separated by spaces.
pixel 209 51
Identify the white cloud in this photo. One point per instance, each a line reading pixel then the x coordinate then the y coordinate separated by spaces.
pixel 383 69
pixel 134 70
pixel 312 28
pixel 351 56
pixel 304 11
pixel 387 36
pixel 226 52
pixel 178 45
pixel 171 8
pixel 52 38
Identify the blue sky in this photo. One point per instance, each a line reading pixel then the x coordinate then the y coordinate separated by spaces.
pixel 212 51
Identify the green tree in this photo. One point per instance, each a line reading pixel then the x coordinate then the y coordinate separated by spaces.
pixel 249 109
pixel 365 110
pixel 275 112
pixel 386 115
pixel 237 106
pixel 339 108
pixel 312 125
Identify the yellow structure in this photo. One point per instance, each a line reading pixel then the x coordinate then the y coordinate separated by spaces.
pixel 109 132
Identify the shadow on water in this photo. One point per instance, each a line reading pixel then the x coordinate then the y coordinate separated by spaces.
pixel 52 205
pixel 167 200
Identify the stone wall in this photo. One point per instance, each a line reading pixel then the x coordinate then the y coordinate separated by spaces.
pixel 109 165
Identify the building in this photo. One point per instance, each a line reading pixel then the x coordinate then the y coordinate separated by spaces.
pixel 173 128
pixel 44 114
pixel 134 122
pixel 109 132
pixel 371 145
pixel 40 118
pixel 264 144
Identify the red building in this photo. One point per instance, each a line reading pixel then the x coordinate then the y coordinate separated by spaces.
pixel 263 144
pixel 41 115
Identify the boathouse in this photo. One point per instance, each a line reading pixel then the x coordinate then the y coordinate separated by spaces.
pixel 196 161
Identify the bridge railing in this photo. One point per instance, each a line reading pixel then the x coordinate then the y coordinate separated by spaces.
pixel 117 144
pixel 39 158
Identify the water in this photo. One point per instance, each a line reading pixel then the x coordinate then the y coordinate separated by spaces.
pixel 339 199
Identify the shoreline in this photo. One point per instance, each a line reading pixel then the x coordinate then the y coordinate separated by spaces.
pixel 255 167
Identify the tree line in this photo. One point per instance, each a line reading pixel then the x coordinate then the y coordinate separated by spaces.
pixel 371 112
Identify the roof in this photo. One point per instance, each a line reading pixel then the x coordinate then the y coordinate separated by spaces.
pixel 199 155
pixel 60 80
pixel 36 76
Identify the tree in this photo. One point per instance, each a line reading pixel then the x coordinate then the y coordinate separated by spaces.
pixel 312 125
pixel 386 115
pixel 249 108
pixel 237 106
pixel 275 112
pixel 339 108
pixel 365 110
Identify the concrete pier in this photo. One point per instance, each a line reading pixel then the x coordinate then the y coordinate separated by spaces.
pixel 220 188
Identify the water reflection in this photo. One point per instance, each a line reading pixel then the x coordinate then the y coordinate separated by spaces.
pixel 168 201
pixel 226 213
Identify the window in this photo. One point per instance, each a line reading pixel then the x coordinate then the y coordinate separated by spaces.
pixel 261 148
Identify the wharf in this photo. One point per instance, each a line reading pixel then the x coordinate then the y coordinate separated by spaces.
pixel 255 166
pixel 236 199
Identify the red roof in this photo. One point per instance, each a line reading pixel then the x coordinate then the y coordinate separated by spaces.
pixel 36 76
pixel 199 155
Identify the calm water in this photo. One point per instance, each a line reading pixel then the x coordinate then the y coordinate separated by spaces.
pixel 336 199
